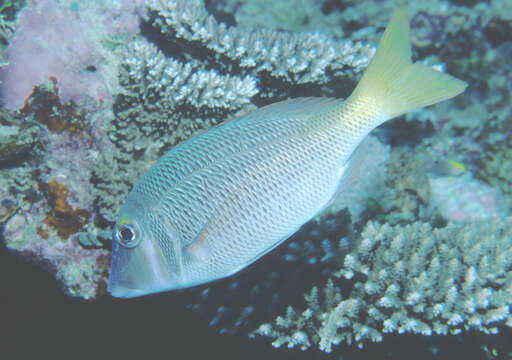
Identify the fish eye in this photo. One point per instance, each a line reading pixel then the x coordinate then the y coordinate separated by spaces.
pixel 127 236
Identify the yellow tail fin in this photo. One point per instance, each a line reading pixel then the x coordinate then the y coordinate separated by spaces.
pixel 395 83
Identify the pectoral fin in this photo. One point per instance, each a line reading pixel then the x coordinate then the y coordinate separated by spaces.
pixel 198 249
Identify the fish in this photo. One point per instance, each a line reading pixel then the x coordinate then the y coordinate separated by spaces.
pixel 446 167
pixel 221 200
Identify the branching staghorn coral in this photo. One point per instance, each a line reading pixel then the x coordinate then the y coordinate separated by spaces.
pixel 159 94
pixel 408 279
pixel 201 74
pixel 296 57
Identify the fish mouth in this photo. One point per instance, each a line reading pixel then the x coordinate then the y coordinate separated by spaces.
pixel 124 282
pixel 124 292
pixel 138 271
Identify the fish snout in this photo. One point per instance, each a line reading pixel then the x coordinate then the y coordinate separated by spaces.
pixel 137 271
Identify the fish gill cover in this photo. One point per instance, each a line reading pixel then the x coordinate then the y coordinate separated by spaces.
pixel 153 74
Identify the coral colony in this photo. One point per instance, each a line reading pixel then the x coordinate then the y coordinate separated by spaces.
pixel 74 138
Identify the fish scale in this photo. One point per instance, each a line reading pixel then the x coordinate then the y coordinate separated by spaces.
pixel 281 205
pixel 198 190
pixel 268 123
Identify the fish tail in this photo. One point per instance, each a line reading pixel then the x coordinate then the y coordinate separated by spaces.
pixel 392 85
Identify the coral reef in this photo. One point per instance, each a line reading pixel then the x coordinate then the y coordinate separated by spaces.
pixel 494 135
pixel 45 202
pixel 464 198
pixel 46 208
pixel 8 12
pixel 62 216
pixel 297 58
pixel 46 108
pixel 18 139
pixel 412 278
pixel 298 15
pixel 83 66
pixel 497 165
pixel 408 185
pixel 432 22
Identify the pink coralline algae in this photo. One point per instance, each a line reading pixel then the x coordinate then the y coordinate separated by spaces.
pixel 464 198
pixel 46 216
pixel 61 76
pixel 62 40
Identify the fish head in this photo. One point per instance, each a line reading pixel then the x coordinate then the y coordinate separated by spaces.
pixel 138 266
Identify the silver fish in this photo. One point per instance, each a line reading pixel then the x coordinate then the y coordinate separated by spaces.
pixel 221 200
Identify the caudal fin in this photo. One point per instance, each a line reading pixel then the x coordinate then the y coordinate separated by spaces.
pixel 396 84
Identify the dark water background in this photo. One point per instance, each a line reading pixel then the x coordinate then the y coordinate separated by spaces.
pixel 38 320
